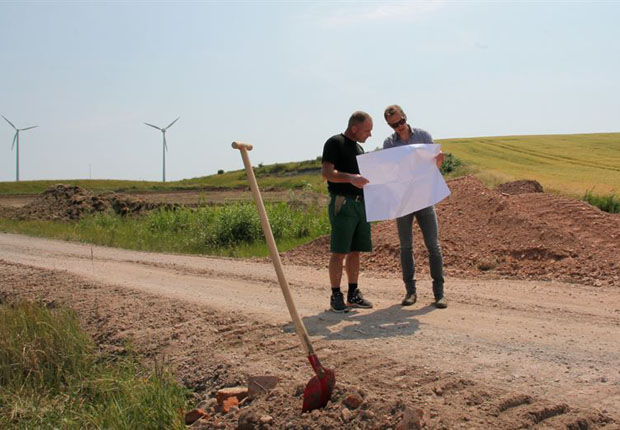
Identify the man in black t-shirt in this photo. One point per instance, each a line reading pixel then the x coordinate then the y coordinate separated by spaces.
pixel 347 215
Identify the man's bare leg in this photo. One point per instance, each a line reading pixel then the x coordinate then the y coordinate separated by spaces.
pixel 352 266
pixel 335 269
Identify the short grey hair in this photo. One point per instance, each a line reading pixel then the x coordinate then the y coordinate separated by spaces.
pixel 357 117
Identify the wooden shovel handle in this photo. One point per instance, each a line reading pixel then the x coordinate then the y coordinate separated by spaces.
pixel 273 250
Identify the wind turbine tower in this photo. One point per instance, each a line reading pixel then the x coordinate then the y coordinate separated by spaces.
pixel 16 145
pixel 165 148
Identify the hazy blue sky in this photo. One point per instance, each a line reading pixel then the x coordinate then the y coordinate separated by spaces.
pixel 286 75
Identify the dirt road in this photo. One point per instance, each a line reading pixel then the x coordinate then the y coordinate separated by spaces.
pixel 505 354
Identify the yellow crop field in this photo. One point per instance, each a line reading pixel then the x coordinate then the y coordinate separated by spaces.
pixel 569 164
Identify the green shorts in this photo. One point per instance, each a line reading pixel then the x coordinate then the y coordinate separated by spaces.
pixel 350 230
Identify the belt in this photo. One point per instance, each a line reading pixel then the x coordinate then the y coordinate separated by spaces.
pixel 356 197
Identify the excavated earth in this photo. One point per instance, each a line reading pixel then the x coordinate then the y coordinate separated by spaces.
pixel 529 340
pixel 517 233
pixel 71 202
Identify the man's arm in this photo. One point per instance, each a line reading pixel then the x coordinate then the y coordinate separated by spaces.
pixel 330 174
pixel 439 159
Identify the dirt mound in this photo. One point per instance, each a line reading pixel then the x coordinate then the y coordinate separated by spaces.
pixel 520 187
pixel 485 233
pixel 71 202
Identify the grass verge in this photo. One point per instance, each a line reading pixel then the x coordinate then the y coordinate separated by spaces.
pixel 231 230
pixel 51 376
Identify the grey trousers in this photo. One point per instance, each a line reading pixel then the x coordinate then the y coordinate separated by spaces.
pixel 427 220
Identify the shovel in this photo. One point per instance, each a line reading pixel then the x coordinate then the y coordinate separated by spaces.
pixel 320 387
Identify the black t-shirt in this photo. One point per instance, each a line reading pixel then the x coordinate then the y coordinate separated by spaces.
pixel 341 151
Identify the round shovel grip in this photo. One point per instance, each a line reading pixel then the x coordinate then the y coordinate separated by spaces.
pixel 239 145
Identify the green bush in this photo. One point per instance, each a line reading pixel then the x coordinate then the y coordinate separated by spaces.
pixel 450 164
pixel 216 227
pixel 608 203
pixel 234 224
pixel 170 220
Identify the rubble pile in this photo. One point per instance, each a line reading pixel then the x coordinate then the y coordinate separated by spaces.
pixel 72 202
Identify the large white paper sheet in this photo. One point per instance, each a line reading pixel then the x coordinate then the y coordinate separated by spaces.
pixel 402 180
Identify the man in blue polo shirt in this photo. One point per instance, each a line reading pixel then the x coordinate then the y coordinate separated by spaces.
pixel 347 214
pixel 404 134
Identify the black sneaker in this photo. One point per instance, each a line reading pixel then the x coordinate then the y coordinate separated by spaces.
pixel 336 302
pixel 357 300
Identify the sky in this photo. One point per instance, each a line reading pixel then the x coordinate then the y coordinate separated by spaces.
pixel 286 75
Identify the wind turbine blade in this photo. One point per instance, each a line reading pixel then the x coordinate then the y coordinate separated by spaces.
pixel 154 126
pixel 14 139
pixel 28 128
pixel 165 144
pixel 9 122
pixel 172 123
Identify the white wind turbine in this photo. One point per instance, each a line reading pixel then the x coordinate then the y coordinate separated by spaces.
pixel 165 148
pixel 16 144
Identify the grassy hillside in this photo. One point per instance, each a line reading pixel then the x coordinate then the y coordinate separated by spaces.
pixel 568 164
pixel 300 174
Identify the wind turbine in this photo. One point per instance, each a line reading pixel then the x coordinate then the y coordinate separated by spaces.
pixel 16 141
pixel 165 148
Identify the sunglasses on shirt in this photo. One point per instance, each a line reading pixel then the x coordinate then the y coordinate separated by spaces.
pixel 398 123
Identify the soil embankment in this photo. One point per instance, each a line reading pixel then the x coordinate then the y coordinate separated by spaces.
pixel 491 234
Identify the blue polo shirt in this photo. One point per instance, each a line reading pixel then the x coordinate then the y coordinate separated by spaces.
pixel 417 136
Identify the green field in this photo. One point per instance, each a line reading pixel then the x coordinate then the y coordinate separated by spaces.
pixel 566 164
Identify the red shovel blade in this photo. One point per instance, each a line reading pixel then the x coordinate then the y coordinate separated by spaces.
pixel 320 388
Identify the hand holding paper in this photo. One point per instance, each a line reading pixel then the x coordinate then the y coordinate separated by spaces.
pixel 359 181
